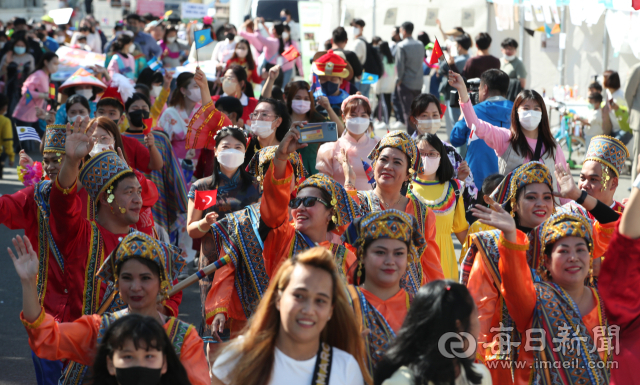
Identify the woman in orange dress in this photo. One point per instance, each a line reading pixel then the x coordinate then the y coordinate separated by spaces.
pixel 386 241
pixel 560 319
pixel 260 238
pixel 396 159
pixel 141 269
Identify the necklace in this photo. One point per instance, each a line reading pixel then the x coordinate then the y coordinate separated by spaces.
pixel 385 203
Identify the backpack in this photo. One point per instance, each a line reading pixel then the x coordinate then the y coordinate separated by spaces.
pixel 373 64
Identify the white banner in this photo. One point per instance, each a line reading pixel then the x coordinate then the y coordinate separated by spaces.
pixel 194 10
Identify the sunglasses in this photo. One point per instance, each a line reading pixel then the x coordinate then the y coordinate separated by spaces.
pixel 306 201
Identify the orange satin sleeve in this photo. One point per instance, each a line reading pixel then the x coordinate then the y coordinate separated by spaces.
pixel 430 258
pixel 74 341
pixel 485 295
pixel 517 285
pixel 172 304
pixel 602 235
pixel 193 359
pixel 274 208
pixel 222 297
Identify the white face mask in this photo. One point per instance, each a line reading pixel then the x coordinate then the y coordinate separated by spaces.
pixel 194 95
pixel 86 93
pixel 230 158
pixel 132 48
pixel 241 53
pixel 509 58
pixel 73 119
pixel 430 165
pixel 300 106
pixel 171 39
pixel 98 148
pixel 428 126
pixel 285 35
pixel 261 128
pixel 356 31
pixel 60 39
pixel 155 91
pixel 529 120
pixel 357 125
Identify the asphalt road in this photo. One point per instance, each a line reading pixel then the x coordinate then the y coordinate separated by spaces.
pixel 16 366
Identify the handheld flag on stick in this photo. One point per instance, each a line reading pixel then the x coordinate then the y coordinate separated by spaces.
pixel 205 199
pixel 147 123
pixel 202 38
pixel 368 172
pixel 368 78
pixel 28 133
pixel 52 91
pixel 555 29
pixel 290 53
pixel 154 64
pixel 27 97
pixel 436 54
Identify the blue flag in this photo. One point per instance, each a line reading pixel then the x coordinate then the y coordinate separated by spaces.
pixel 368 78
pixel 27 97
pixel 202 38
pixel 154 64
pixel 547 30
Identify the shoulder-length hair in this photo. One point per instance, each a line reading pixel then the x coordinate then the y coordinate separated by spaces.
pixel 177 98
pixel 292 89
pixel 437 309
pixel 251 64
pixel 518 140
pixel 445 170
pixel 145 333
pixel 256 352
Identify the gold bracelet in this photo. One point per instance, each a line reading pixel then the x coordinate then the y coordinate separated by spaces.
pixel 199 228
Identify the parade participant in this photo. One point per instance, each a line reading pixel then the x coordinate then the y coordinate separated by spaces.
pixel 270 121
pixel 602 166
pixel 561 251
pixel 234 189
pixel 396 159
pixel 332 71
pixel 437 189
pixel 527 194
pixel 80 83
pixel 357 142
pixel 137 349
pixel 386 241
pixel 416 356
pixel 529 137
pixel 616 282
pixel 142 269
pixel 301 328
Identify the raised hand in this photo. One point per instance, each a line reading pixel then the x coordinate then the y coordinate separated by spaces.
pixel 79 141
pixel 289 143
pixel 166 79
pixel 497 217
pixel 568 187
pixel 149 140
pixel 25 160
pixel 456 81
pixel 200 79
pixel 349 174
pixel 26 263
pixel 323 101
pixel 463 170
pixel 274 72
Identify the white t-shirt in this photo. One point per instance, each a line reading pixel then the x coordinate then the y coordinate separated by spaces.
pixel 286 370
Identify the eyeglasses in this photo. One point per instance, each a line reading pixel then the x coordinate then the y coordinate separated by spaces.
pixel 230 78
pixel 104 139
pixel 306 201
pixel 432 154
pixel 262 116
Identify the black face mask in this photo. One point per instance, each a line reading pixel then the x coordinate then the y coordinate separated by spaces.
pixel 136 117
pixel 138 375
pixel 230 36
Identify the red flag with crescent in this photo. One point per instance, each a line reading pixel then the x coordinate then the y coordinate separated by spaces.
pixel 205 199
pixel 436 53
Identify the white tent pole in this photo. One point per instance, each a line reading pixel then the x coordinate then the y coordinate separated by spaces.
pixel 561 59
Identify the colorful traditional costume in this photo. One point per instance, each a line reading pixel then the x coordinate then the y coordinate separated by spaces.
pixel 430 268
pixel 77 341
pixel 382 318
pixel 259 238
pixel 560 332
pixel 481 274
pixel 611 154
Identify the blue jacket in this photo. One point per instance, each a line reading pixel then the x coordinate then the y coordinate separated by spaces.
pixel 482 159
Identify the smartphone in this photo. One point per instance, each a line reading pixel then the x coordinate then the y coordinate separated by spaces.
pixel 318 132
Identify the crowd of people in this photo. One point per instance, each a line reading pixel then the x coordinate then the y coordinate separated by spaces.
pixel 322 261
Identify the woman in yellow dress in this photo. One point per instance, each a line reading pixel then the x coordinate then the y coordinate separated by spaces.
pixel 440 192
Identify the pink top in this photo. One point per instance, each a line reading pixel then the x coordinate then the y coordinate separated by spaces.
pixel 36 83
pixel 270 44
pixel 327 164
pixel 129 63
pixel 498 137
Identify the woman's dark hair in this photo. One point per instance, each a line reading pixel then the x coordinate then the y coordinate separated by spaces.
pixel 423 38
pixel 46 57
pixel 177 98
pixel 20 37
pixel 241 75
pixel 121 42
pixel 166 32
pixel 73 99
pixel 359 268
pixel 386 52
pixel 421 103
pixel 134 98
pixel 279 27
pixel 292 89
pixel 445 170
pixel 251 64
pixel 245 177
pixel 611 80
pixel 437 309
pixel 149 76
pixel 145 333
pixel 143 89
pixel 518 140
